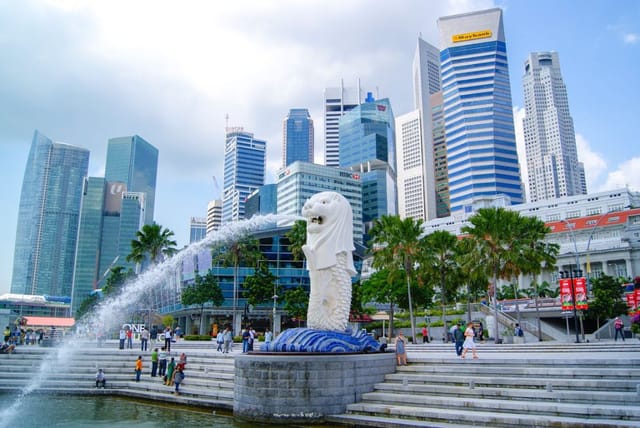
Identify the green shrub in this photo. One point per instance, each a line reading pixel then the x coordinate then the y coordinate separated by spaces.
pixel 196 337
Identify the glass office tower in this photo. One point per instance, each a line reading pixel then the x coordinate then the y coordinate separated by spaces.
pixel 48 218
pixel 298 134
pixel 480 136
pixel 244 168
pixel 367 146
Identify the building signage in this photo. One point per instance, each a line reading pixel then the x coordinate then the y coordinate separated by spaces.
pixel 465 37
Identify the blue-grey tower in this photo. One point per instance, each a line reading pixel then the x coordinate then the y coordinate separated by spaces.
pixel 298 135
pixel 367 146
pixel 48 218
pixel 114 208
pixel 244 168
pixel 480 137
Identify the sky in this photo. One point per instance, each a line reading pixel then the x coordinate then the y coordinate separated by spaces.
pixel 82 72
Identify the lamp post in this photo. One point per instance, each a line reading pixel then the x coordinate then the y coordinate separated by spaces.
pixel 571 274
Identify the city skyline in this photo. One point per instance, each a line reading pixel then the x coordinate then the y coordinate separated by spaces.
pixel 87 73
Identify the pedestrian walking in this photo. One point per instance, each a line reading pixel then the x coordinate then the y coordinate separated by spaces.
pixel 458 336
pixel 228 338
pixel 122 337
pixel 167 339
pixel 220 340
pixel 619 326
pixel 469 343
pixel 154 362
pixel 144 339
pixel 129 338
pixel 401 352
pixel 162 359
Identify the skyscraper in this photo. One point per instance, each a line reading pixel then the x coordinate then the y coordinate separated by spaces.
pixel 440 156
pixel 48 218
pixel 298 135
pixel 114 209
pixel 299 181
pixel 480 136
pixel 414 144
pixel 133 161
pixel 367 146
pixel 214 215
pixel 244 170
pixel 197 229
pixel 337 101
pixel 550 139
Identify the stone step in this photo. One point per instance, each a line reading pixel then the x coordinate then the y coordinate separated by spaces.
pixel 521 370
pixel 628 385
pixel 530 406
pixel 577 396
pixel 427 414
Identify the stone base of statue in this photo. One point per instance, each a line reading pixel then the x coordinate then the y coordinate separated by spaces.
pixel 303 388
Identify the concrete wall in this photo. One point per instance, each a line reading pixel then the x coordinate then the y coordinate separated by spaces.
pixel 299 388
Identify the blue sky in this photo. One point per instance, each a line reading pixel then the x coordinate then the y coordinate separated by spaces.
pixel 82 72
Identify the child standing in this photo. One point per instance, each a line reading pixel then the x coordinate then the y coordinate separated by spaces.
pixel 177 379
pixel 138 368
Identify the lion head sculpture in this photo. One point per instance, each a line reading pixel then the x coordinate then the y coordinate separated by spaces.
pixel 329 230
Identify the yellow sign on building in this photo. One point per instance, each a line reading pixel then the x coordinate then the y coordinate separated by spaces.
pixel 465 37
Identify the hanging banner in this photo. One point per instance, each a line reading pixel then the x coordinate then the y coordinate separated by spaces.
pixel 580 285
pixel 566 297
pixel 631 301
pixel 637 293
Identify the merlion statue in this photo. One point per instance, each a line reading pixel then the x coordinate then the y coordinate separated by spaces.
pixel 329 260
pixel 329 256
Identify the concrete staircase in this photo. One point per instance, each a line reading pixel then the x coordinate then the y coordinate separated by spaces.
pixel 508 386
pixel 208 383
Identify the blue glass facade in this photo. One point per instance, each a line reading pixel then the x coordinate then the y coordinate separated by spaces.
pixel 48 218
pixel 244 170
pixel 367 145
pixel 478 116
pixel 298 141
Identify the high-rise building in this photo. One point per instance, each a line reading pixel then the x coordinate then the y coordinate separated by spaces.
pixel 48 217
pixel 299 181
pixel 262 201
pixel 480 137
pixel 197 229
pixel 414 144
pixel 114 209
pixel 298 135
pixel 337 101
pixel 367 146
pixel 440 156
pixel 214 215
pixel 133 161
pixel 550 139
pixel 244 170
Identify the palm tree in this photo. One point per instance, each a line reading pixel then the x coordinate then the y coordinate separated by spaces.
pixel 495 232
pixel 538 256
pixel 396 244
pixel 154 244
pixel 440 261
pixel 297 237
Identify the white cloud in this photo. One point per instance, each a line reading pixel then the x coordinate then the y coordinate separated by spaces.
pixel 595 163
pixel 630 38
pixel 625 175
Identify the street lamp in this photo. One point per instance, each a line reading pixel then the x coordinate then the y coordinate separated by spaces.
pixel 571 274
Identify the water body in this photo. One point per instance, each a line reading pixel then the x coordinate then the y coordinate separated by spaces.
pixel 79 412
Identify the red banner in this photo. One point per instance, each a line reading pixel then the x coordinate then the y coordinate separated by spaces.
pixel 631 301
pixel 566 298
pixel 580 285
pixel 637 294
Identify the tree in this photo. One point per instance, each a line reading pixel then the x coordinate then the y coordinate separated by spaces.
pixel 496 233
pixel 87 305
pixel 440 263
pixel 261 286
pixel 117 277
pixel 385 286
pixel 396 244
pixel 297 237
pixel 472 272
pixel 296 303
pixel 204 289
pixel 608 299
pixel 154 244
pixel 243 250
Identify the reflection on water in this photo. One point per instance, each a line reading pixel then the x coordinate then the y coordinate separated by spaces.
pixel 76 412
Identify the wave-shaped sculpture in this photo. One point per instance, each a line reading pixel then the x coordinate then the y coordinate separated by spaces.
pixel 311 340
